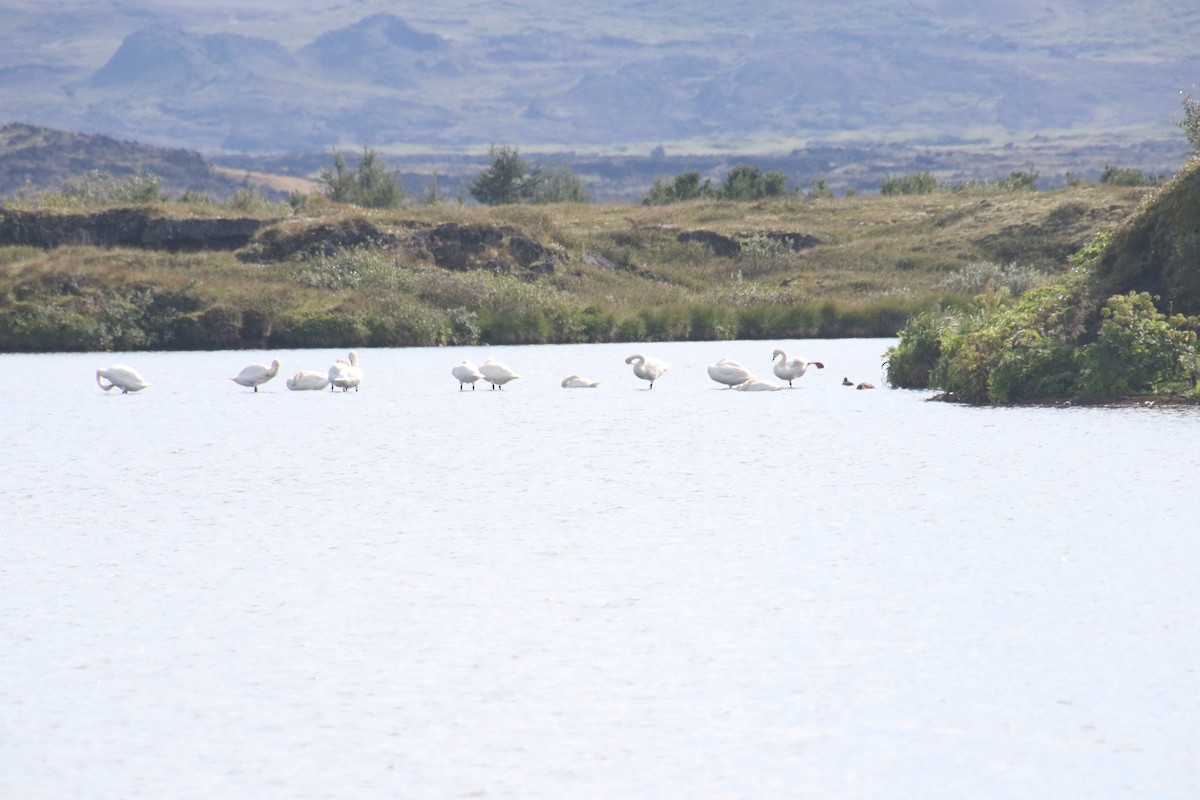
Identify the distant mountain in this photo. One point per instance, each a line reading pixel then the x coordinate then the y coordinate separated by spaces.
pixel 627 76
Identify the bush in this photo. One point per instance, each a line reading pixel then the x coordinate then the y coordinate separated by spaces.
pixel 984 276
pixel 910 362
pixel 1018 181
pixel 557 184
pixel 370 186
pixel 685 186
pixel 1190 123
pixel 1139 350
pixel 915 183
pixel 98 188
pixel 319 330
pixel 746 182
pixel 1125 176
pixel 506 180
pixel 761 254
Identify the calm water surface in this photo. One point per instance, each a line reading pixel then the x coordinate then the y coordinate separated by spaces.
pixel 689 592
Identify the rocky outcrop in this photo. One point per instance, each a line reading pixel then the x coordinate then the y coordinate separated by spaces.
pixel 729 246
pixel 125 227
pixel 280 241
pixel 497 248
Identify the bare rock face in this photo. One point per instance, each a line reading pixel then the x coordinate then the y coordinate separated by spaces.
pixel 729 246
pixel 125 227
pixel 282 240
pixel 720 244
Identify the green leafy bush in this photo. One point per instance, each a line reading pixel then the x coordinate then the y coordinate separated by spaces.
pixel 683 187
pixel 1139 350
pixel 915 183
pixel 983 276
pixel 370 186
pixel 507 179
pixel 1127 176
pixel 761 255
pixel 747 182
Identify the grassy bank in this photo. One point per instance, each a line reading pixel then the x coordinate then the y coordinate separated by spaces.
pixel 1122 321
pixel 343 276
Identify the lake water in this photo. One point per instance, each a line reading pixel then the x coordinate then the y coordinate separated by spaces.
pixel 685 592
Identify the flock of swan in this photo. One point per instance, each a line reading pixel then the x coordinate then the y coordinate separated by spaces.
pixel 346 374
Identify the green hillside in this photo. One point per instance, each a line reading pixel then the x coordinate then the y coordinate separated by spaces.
pixel 1122 321
pixel 188 277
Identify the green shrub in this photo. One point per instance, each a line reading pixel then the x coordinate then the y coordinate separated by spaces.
pixel 1139 350
pixel 685 186
pixel 370 186
pixel 761 255
pixel 1190 122
pixel 399 322
pixel 1018 181
pixel 983 276
pixel 558 184
pixel 747 182
pixel 914 183
pixel 507 179
pixel 1126 176
pixel 909 363
pixel 320 330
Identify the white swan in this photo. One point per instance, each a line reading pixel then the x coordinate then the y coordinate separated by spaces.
pixel 730 373
pixel 497 374
pixel 788 369
pixel 122 377
pixel 466 373
pixel 345 375
pixel 307 380
pixel 648 369
pixel 576 382
pixel 755 385
pixel 256 374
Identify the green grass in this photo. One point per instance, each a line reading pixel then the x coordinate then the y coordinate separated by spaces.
pixel 620 273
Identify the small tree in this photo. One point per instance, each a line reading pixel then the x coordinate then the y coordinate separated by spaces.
pixel 1191 121
pixel 684 187
pixel 371 186
pixel 558 184
pixel 819 190
pixel 746 182
pixel 913 183
pixel 507 179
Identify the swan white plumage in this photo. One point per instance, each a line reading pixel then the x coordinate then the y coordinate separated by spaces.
pixel 345 375
pixel 466 373
pixel 122 377
pixel 256 374
pixel 648 369
pixel 729 372
pixel 788 369
pixel 576 382
pixel 497 374
pixel 756 385
pixel 308 380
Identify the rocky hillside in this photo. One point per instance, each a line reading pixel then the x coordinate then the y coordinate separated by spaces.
pixel 38 159
pixel 616 77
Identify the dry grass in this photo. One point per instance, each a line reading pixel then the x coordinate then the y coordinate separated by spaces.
pixel 622 271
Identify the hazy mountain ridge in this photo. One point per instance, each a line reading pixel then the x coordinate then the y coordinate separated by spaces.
pixel 681 73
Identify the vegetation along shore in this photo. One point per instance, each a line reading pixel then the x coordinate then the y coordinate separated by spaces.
pixel 999 292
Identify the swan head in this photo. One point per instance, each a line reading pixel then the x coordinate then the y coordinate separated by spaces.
pixel 635 357
pixel 777 354
pixel 353 359
pixel 817 364
pixel 274 370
